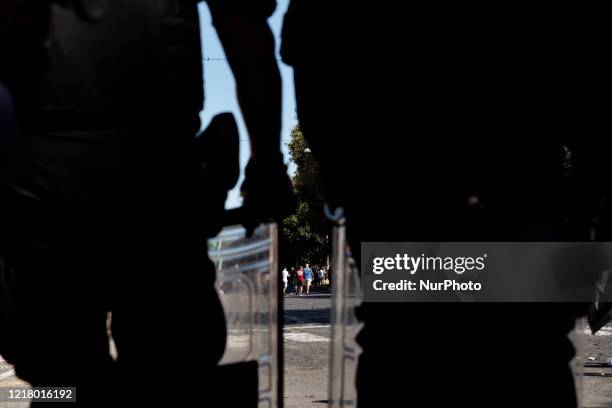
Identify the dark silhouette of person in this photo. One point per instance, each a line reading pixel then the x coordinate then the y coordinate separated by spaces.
pixel 447 123
pixel 7 120
pixel 103 209
pixel 9 136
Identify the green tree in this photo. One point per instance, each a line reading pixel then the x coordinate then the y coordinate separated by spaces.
pixel 305 234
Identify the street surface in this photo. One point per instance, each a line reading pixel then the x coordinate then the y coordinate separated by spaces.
pixel 307 340
pixel 8 379
pixel 597 389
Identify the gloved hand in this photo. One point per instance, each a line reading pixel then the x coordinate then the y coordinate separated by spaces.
pixel 267 192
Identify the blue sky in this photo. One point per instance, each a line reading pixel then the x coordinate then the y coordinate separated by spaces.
pixel 220 89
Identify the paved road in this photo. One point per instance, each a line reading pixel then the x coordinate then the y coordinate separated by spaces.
pixel 307 342
pixel 597 390
pixel 307 335
pixel 8 379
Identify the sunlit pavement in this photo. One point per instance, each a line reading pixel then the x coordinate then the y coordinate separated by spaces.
pixel 597 389
pixel 8 379
pixel 307 340
pixel 307 336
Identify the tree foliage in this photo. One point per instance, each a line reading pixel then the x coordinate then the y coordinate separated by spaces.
pixel 305 234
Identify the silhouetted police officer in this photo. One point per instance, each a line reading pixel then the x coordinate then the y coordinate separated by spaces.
pixel 448 124
pixel 104 204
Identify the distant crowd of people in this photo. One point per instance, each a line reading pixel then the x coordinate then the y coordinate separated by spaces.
pixel 300 279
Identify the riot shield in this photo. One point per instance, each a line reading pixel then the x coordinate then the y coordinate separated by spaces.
pixel 247 285
pixel 346 297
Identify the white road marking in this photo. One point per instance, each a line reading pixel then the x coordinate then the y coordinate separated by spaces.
pixel 243 340
pixel 6 375
pixel 308 326
pixel 239 341
pixel 243 331
pixel 302 337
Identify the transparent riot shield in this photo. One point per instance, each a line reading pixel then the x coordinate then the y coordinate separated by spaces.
pixel 247 286
pixel 346 296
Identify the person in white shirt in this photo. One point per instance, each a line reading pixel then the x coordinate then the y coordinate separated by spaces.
pixel 321 275
pixel 285 275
